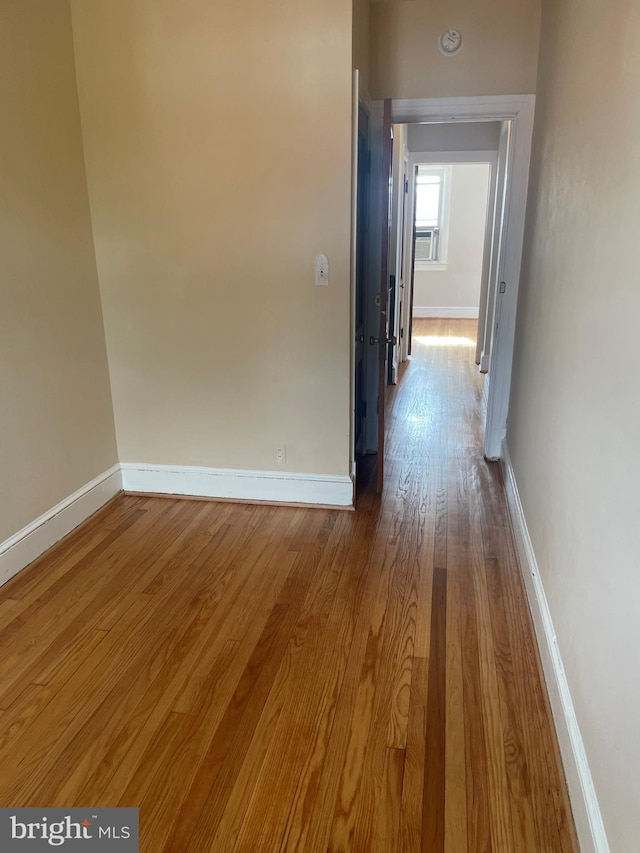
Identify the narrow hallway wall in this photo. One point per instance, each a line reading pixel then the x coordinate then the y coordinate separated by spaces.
pixel 56 419
pixel 575 408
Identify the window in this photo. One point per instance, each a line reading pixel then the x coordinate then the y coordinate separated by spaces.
pixel 430 214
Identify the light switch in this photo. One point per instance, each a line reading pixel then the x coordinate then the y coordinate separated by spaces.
pixel 322 269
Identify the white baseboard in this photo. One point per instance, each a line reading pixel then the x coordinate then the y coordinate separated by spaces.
pixel 484 362
pixel 229 484
pixel 33 540
pixel 451 311
pixel 584 802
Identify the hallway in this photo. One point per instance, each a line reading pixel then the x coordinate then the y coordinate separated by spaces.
pixel 259 678
pixel 492 781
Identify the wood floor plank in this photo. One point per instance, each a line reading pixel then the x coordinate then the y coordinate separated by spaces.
pixel 518 774
pixel 228 748
pixel 298 741
pixel 270 771
pixel 406 637
pixel 97 610
pixel 202 640
pixel 349 806
pixel 57 560
pixel 433 808
pixel 455 806
pixel 47 615
pixel 261 678
pixel 497 785
pixel 345 751
pixel 478 820
pixel 162 793
pixel 363 778
pixel 387 816
pixel 411 811
pixel 313 802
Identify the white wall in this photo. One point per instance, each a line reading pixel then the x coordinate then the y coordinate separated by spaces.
pixel 456 282
pixel 574 421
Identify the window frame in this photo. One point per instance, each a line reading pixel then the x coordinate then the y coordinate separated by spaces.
pixel 445 171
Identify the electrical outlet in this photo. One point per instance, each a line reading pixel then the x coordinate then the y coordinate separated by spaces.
pixel 280 454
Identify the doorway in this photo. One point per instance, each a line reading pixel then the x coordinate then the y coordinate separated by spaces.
pixel 448 235
pixel 515 116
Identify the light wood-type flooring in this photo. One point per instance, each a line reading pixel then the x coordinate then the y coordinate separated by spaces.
pixel 259 678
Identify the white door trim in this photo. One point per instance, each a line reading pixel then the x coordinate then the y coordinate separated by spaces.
pixel 519 111
pixel 352 282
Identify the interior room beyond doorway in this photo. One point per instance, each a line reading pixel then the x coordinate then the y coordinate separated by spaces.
pixel 449 232
pixel 449 238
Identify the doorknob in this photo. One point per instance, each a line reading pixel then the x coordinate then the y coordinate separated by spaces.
pixel 393 340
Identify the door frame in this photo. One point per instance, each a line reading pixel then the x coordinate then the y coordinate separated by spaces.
pixel 518 110
pixel 404 260
pixel 355 113
pixel 485 320
pixel 400 214
pixel 487 157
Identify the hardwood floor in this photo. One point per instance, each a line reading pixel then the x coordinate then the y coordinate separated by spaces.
pixel 261 679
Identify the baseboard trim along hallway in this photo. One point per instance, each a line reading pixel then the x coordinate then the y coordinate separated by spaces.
pixel 246 485
pixel 33 540
pixel 584 802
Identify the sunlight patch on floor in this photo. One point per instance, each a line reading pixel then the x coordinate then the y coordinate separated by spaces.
pixel 443 341
pixel 424 419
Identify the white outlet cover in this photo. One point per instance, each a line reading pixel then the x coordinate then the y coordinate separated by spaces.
pixel 322 270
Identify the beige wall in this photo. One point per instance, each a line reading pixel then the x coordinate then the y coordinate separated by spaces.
pixel 573 426
pixel 458 136
pixel 499 54
pixel 56 421
pixel 458 284
pixel 206 233
pixel 361 25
